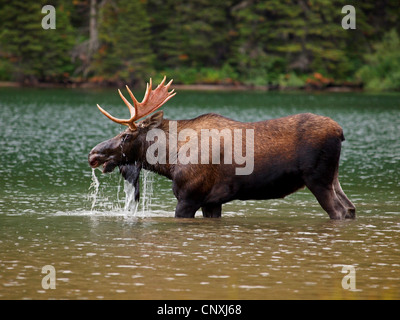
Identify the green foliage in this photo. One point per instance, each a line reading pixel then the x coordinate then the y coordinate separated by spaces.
pixel 204 75
pixel 190 33
pixel 6 70
pixel 291 80
pixel 382 71
pixel 253 42
pixel 306 37
pixel 36 54
pixel 124 32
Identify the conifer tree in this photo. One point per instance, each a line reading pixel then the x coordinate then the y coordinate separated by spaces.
pixel 124 53
pixel 37 54
pixel 275 37
pixel 191 33
pixel 252 41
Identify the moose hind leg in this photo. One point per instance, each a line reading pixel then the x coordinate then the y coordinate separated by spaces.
pixel 212 211
pixel 329 201
pixel 351 209
pixel 321 179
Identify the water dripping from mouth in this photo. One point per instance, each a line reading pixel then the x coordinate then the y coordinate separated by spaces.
pixel 147 191
pixel 93 189
pixel 130 203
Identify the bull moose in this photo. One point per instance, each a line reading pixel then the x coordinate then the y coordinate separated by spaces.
pixel 287 154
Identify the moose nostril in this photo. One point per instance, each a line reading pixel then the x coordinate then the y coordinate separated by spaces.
pixel 94 160
pixel 93 163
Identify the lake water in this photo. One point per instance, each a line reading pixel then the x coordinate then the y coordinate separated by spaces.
pixel 51 212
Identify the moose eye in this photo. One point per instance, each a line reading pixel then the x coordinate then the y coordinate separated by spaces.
pixel 126 137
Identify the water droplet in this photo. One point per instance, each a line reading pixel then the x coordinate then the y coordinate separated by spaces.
pixel 93 189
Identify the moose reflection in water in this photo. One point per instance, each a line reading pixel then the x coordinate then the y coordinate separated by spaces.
pixel 281 156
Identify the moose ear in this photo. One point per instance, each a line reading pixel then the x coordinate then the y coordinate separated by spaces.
pixel 154 121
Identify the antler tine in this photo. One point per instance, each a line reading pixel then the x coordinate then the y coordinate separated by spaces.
pixel 148 91
pixel 132 110
pixel 162 82
pixel 109 116
pixel 135 102
pixel 169 97
pixel 169 84
pixel 152 100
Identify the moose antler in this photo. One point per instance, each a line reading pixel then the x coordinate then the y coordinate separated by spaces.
pixel 152 101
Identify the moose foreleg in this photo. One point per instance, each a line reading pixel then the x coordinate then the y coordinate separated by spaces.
pixel 186 209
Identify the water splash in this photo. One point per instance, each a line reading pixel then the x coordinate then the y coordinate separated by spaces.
pixel 93 189
pixel 147 192
pixel 130 203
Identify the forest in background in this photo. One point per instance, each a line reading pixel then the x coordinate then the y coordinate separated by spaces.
pixel 273 43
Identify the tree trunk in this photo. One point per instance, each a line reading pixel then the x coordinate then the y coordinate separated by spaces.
pixel 93 34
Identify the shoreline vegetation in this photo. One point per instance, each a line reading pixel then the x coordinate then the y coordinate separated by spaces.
pixel 349 87
pixel 202 45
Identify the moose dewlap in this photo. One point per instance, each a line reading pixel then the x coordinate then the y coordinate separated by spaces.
pixel 212 160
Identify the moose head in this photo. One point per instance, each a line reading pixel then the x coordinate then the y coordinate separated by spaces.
pixel 125 148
